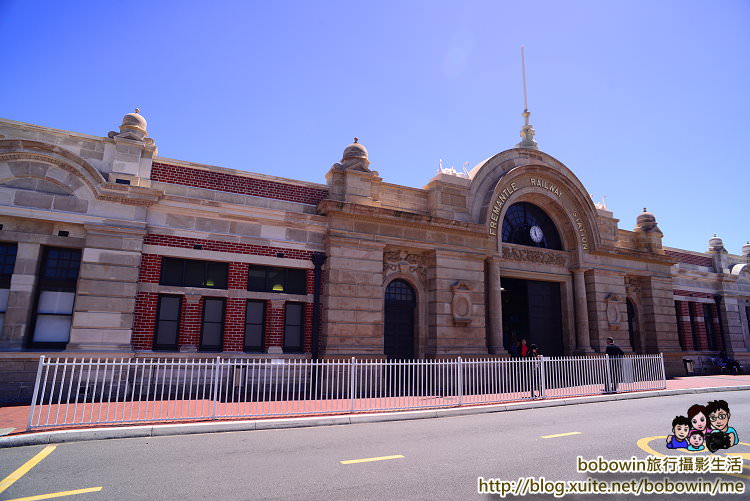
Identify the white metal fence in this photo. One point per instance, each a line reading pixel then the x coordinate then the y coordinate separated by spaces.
pixel 71 392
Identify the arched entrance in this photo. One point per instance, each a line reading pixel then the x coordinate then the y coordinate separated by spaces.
pixel 635 338
pixel 398 335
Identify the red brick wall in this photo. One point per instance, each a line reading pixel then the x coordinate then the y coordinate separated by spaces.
pixel 684 328
pixel 274 326
pixel 191 315
pixel 232 183
pixel 684 293
pixel 686 258
pixel 217 245
pixel 190 323
pixel 700 327
pixel 145 318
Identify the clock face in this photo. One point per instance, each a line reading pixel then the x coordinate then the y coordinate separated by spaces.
pixel 536 234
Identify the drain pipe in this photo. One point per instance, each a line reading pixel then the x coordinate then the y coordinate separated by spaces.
pixel 318 258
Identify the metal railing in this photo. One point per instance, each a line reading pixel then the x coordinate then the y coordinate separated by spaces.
pixel 72 392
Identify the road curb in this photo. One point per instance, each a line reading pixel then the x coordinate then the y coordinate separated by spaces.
pixel 78 435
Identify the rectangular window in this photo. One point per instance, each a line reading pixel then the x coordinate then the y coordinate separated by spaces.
pixel 273 279
pixel 255 323
pixel 193 273
pixel 7 264
pixel 294 327
pixel 708 320
pixel 693 326
pixel 55 297
pixel 212 330
pixel 167 322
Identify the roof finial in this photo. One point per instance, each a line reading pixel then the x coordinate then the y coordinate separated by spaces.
pixel 137 110
pixel 356 139
pixel 527 131
pixel 644 210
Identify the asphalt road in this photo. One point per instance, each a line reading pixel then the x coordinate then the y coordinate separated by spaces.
pixel 442 458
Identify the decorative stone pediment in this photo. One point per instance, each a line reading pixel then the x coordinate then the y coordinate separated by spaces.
pixel 533 255
pixel 403 261
pixel 613 302
pixel 461 303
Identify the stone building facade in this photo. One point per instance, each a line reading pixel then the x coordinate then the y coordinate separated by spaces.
pixel 108 250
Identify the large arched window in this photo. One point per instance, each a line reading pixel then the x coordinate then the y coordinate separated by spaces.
pixel 527 224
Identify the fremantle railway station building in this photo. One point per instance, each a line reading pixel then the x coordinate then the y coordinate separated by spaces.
pixel 108 250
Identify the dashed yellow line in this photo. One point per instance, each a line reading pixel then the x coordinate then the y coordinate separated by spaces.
pixel 24 469
pixel 562 434
pixel 58 494
pixel 367 460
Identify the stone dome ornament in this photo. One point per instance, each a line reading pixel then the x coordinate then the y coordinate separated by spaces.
pixel 646 222
pixel 355 157
pixel 715 244
pixel 133 127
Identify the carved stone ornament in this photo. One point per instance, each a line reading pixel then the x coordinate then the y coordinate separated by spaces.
pixel 401 261
pixel 533 256
pixel 461 303
pixel 632 286
pixel 613 310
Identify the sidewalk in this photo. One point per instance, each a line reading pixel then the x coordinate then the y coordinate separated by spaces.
pixel 13 419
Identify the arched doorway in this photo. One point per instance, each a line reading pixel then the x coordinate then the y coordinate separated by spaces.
pixel 398 335
pixel 635 338
pixel 532 309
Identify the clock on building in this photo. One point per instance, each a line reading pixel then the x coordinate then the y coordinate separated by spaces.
pixel 536 234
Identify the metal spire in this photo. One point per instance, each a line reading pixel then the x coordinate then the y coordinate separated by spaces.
pixel 527 131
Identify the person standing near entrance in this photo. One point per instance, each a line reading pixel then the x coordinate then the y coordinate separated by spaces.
pixel 535 369
pixel 525 348
pixel 615 354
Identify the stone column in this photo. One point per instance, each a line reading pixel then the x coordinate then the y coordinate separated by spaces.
pixel 20 298
pixel 495 307
pixel 107 286
pixel 583 339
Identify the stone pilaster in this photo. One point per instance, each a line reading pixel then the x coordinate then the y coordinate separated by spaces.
pixel 107 283
pixel 495 306
pixel 659 326
pixel 583 335
pixel 20 298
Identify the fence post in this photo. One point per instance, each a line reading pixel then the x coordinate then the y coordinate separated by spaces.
pixel 542 378
pixel 352 363
pixel 215 392
pixel 607 376
pixel 36 392
pixel 460 381
pixel 663 373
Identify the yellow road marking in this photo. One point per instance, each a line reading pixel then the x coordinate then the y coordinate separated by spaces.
pixel 58 494
pixel 23 470
pixel 367 460
pixel 562 434
pixel 643 444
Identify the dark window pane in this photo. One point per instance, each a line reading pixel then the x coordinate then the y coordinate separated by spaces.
pixel 169 308
pixel 60 267
pixel 213 311
pixel 194 273
pixel 256 279
pixel 216 275
pixel 527 224
pixel 213 324
pixel 276 280
pixel 254 337
pixel 166 334
pixel 211 335
pixel 255 312
pixel 172 271
pixel 7 262
pixel 296 281
pixel 293 327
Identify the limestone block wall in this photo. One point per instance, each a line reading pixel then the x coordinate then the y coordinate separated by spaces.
pixel 451 337
pixel 107 285
pixel 353 293
pixel 605 293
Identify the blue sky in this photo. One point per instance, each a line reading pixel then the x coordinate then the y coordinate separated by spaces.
pixel 647 102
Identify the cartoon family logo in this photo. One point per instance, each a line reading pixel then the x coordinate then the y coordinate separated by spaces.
pixel 705 427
